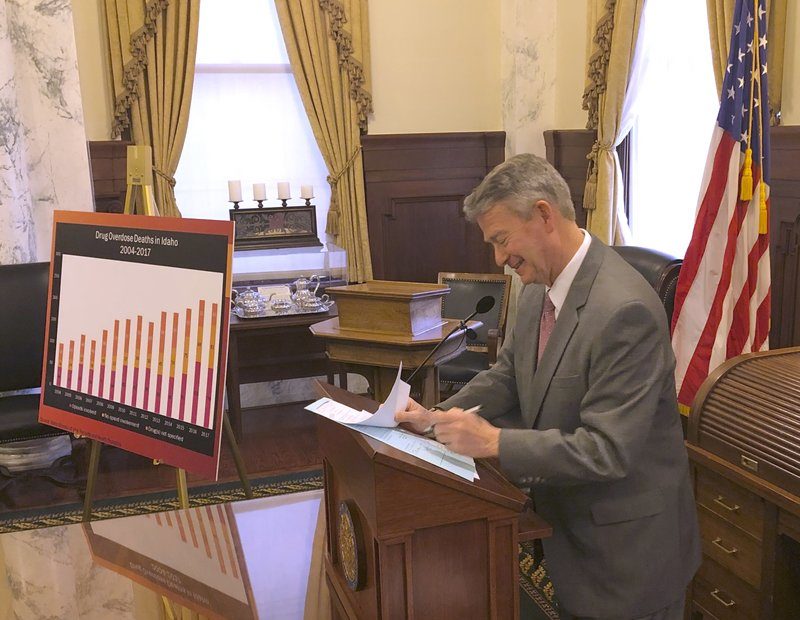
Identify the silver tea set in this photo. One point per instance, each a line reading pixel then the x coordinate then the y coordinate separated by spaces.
pixel 303 298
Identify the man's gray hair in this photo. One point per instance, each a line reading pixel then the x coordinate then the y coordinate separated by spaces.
pixel 521 182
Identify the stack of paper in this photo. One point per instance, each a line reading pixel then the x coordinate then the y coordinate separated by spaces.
pixel 382 426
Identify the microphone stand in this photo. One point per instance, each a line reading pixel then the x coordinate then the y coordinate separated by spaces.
pixel 461 325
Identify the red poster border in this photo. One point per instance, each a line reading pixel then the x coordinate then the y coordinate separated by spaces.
pixel 191 461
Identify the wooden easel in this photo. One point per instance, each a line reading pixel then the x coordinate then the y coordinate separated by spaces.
pixel 140 199
pixel 139 196
pixel 183 491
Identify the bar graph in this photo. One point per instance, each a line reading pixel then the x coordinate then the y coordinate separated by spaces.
pixel 145 345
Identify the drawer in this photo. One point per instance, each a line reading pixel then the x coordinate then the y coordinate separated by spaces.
pixel 731 502
pixel 724 595
pixel 729 546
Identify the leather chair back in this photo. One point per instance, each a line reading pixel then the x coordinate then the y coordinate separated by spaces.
pixel 659 269
pixel 23 317
pixel 465 291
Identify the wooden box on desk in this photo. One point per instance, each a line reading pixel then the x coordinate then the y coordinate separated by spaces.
pixel 407 539
pixel 385 307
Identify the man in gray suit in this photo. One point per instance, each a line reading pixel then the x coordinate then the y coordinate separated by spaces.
pixel 587 376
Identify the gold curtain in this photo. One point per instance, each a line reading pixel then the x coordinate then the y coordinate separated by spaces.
pixel 720 23
pixel 153 45
pixel 328 46
pixel 609 70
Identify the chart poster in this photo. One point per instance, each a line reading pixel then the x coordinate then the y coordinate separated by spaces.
pixel 137 337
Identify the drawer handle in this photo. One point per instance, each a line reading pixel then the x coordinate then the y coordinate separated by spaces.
pixel 728 550
pixel 715 593
pixel 720 501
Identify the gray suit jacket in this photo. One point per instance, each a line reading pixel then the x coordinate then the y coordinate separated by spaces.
pixel 598 439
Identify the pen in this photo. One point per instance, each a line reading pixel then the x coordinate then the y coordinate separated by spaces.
pixel 429 432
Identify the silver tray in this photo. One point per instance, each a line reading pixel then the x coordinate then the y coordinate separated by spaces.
pixel 291 311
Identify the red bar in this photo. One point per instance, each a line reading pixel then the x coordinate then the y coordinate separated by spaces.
pixel 80 362
pixel 228 544
pixel 197 357
pixel 212 350
pixel 150 326
pixel 215 536
pixel 160 375
pixel 172 358
pixel 114 361
pixel 69 367
pixel 188 514
pixel 125 350
pixel 179 521
pixel 136 367
pixel 103 348
pixel 60 361
pixel 203 532
pixel 187 333
pixel 92 348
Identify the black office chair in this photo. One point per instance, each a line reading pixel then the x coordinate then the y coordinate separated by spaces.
pixel 659 269
pixel 465 291
pixel 23 315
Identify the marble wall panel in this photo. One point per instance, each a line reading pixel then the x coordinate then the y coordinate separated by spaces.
pixel 43 158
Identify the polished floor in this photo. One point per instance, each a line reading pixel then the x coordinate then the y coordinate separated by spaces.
pixel 276 439
pixel 249 559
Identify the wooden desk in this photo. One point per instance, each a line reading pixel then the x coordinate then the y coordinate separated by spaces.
pixel 273 349
pixel 376 356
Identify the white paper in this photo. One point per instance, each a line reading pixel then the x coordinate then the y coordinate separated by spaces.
pixel 426 449
pixel 395 403
pixel 337 412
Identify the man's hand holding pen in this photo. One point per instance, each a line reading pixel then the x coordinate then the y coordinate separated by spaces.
pixel 463 431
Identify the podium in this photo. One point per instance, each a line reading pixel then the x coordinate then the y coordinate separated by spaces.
pixel 381 324
pixel 406 539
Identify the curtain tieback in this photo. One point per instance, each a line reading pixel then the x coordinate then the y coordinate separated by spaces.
pixel 590 193
pixel 332 227
pixel 333 179
pixel 168 178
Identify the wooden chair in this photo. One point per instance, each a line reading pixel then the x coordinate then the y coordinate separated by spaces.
pixel 465 291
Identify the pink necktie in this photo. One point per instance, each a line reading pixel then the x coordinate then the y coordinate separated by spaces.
pixel 546 324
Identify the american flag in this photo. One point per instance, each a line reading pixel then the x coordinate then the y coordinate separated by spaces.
pixel 722 304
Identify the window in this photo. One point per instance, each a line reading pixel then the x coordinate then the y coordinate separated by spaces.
pixel 677 109
pixel 246 121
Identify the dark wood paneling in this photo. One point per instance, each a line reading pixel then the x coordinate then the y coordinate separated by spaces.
pixel 415 188
pixel 567 150
pixel 785 235
pixel 108 160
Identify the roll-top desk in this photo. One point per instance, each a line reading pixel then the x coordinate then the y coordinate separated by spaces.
pixel 744 448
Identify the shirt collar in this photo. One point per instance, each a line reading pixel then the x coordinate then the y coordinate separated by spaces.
pixel 558 292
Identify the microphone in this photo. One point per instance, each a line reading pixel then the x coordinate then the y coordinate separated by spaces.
pixel 484 305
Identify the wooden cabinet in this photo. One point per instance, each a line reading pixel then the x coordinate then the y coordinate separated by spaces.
pixel 743 454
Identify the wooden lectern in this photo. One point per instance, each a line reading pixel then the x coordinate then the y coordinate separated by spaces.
pixel 406 539
pixel 382 324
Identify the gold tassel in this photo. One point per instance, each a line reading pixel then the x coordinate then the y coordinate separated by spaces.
pixel 746 185
pixel 684 410
pixel 762 209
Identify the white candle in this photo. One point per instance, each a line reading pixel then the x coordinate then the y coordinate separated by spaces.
pixel 306 191
pixel 283 190
pixel 259 191
pixel 235 191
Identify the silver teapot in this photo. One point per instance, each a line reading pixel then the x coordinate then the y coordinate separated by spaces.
pixel 250 303
pixel 305 297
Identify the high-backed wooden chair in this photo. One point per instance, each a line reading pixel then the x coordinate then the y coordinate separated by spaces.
pixel 465 291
